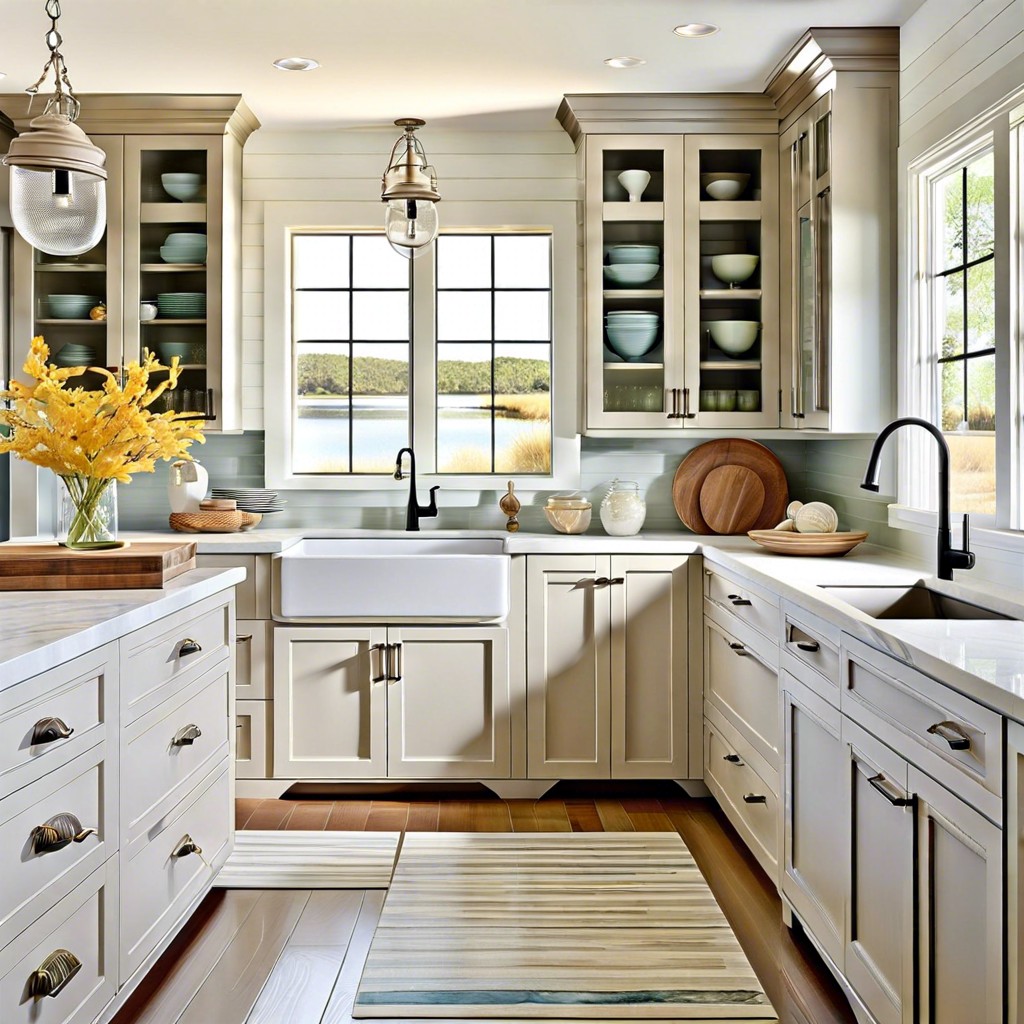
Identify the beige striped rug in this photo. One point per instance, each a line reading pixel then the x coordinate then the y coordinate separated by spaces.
pixel 556 926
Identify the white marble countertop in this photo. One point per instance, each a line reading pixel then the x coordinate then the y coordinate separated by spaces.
pixel 41 629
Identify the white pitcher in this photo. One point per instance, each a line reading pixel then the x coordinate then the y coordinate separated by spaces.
pixel 187 485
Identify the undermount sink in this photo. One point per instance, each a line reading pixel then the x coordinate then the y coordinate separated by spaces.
pixel 914 602
pixel 391 579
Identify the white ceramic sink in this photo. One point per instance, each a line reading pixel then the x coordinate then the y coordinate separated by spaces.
pixel 395 579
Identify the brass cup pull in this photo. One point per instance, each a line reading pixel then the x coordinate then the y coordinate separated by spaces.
pixel 733 759
pixel 755 798
pixel 810 646
pixel 47 730
pixel 889 791
pixel 953 734
pixel 186 735
pixel 186 845
pixel 60 831
pixel 51 977
pixel 737 600
pixel 188 646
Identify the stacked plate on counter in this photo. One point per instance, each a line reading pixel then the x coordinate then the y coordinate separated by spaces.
pixel 632 265
pixel 184 247
pixel 251 499
pixel 181 305
pixel 631 333
pixel 72 354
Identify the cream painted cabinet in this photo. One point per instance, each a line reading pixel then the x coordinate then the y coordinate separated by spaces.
pixel 607 654
pixel 379 702
pixel 1014 872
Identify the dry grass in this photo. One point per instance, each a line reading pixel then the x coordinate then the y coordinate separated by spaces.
pixel 466 460
pixel 530 452
pixel 973 464
pixel 519 407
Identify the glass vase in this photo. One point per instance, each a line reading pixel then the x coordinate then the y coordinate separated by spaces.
pixel 87 513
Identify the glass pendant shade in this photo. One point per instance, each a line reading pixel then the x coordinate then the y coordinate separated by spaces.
pixel 410 225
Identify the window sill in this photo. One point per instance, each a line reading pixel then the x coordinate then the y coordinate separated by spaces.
pixel 984 536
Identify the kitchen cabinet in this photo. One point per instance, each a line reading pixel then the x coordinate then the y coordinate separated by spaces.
pixel 837 163
pixel 391 702
pixel 678 381
pixel 607 666
pixel 144 138
pixel 1014 853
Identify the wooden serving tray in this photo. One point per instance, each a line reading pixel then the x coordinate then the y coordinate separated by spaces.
pixel 785 542
pixel 143 565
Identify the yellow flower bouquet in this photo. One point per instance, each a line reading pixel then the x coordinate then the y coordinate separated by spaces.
pixel 92 438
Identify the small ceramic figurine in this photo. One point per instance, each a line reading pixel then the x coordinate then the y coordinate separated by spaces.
pixel 510 505
pixel 98 312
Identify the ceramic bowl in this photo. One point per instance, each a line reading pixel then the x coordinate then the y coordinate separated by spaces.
pixel 186 238
pixel 724 185
pixel 568 520
pixel 71 307
pixel 634 182
pixel 732 268
pixel 734 337
pixel 631 273
pixel 170 349
pixel 182 255
pixel 748 401
pixel 181 185
pixel 631 342
pixel 634 254
pixel 147 311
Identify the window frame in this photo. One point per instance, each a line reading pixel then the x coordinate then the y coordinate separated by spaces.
pixel 283 219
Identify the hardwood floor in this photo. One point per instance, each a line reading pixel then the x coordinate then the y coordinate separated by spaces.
pixel 277 957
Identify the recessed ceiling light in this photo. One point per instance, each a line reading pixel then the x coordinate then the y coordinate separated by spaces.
pixel 696 29
pixel 624 62
pixel 296 64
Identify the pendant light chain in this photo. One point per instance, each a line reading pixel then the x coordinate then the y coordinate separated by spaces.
pixel 63 102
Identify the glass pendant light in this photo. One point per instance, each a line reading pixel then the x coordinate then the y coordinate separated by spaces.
pixel 409 189
pixel 58 181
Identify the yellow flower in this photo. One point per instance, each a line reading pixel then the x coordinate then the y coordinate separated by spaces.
pixel 107 434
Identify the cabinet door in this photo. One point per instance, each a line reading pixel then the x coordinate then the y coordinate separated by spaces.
pixel 814 838
pixel 649 645
pixel 330 703
pixel 959 907
pixel 635 375
pixel 1014 871
pixel 879 952
pixel 448 703
pixel 567 667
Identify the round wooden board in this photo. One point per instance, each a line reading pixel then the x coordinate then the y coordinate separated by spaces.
pixel 784 542
pixel 734 503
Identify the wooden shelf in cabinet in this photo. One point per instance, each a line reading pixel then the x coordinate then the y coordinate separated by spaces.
pixel 70 268
pixel 171 323
pixel 71 323
pixel 633 211
pixel 730 293
pixel 730 364
pixel 713 209
pixel 185 366
pixel 634 293
pixel 634 366
pixel 172 268
pixel 172 213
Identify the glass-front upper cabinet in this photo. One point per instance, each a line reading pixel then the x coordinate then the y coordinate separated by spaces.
pixel 634 272
pixel 731 281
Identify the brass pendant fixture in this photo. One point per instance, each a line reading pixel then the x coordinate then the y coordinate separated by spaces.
pixel 409 188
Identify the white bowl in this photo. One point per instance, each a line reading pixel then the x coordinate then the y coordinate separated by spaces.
pixel 734 337
pixel 724 185
pixel 634 254
pixel 732 268
pixel 634 182
pixel 631 273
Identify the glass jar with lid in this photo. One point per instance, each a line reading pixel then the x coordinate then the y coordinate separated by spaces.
pixel 623 509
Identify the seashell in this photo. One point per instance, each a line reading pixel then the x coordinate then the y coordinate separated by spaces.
pixel 786 525
pixel 816 517
pixel 792 508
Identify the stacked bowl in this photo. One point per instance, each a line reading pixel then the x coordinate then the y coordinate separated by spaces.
pixel 71 307
pixel 182 185
pixel 184 247
pixel 181 305
pixel 631 333
pixel 73 354
pixel 632 265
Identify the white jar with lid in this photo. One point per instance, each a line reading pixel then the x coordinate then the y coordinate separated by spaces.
pixel 623 509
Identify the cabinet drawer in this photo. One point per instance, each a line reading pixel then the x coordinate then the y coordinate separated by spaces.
pixel 906 708
pixel 34 881
pixel 748 603
pixel 744 686
pixel 252 659
pixel 169 652
pixel 253 719
pixel 749 802
pixel 159 886
pixel 809 644
pixel 82 694
pixel 85 924
pixel 157 771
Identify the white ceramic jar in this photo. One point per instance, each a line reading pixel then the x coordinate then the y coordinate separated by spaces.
pixel 623 509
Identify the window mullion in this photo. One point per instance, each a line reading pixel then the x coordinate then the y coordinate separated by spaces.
pixel 1007 385
pixel 423 378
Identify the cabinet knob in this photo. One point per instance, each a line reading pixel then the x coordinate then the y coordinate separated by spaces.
pixel 188 646
pixel 50 978
pixel 60 831
pixel 47 730
pixel 186 735
pixel 952 733
pixel 755 798
pixel 186 845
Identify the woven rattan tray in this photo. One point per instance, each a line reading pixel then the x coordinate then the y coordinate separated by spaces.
pixel 214 521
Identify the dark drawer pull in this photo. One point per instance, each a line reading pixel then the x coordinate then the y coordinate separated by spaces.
pixel 186 845
pixel 811 646
pixel 602 581
pixel 737 600
pixel 733 759
pixel 738 649
pixel 186 735
pixel 60 831
pixel 754 798
pixel 188 646
pixel 380 676
pixel 50 978
pixel 889 791
pixel 46 730
pixel 952 733
pixel 243 638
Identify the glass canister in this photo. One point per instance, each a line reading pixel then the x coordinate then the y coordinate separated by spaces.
pixel 623 509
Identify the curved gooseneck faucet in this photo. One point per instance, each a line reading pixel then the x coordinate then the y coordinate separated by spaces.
pixel 948 557
pixel 414 510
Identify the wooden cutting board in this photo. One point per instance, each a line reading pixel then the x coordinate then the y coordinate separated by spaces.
pixel 143 565
pixel 730 486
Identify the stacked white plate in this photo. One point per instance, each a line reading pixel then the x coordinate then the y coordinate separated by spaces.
pixel 251 499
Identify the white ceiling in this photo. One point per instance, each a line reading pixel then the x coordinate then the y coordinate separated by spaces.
pixel 471 63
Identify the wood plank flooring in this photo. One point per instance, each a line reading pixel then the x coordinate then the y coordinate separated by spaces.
pixel 794 978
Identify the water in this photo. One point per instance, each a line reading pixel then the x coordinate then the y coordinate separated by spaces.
pixel 321 433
